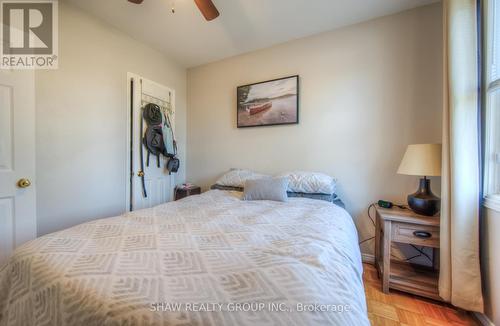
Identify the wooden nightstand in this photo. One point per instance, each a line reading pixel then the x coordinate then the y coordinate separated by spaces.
pixel 405 226
pixel 185 190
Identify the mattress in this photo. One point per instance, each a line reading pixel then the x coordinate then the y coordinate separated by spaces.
pixel 210 259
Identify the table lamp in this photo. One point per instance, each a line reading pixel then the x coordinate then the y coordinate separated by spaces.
pixel 423 160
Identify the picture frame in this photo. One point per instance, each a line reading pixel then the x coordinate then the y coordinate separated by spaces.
pixel 268 103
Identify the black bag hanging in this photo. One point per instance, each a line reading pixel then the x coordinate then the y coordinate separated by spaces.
pixel 153 140
pixel 173 165
pixel 152 114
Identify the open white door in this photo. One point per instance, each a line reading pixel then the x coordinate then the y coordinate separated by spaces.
pixel 159 184
pixel 17 160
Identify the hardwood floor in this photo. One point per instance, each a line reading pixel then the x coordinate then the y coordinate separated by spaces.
pixel 399 308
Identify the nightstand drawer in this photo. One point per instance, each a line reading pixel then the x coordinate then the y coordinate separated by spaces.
pixel 421 235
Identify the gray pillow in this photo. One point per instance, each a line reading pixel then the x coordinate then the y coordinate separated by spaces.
pixel 266 189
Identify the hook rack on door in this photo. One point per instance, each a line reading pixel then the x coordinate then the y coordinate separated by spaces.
pixel 164 105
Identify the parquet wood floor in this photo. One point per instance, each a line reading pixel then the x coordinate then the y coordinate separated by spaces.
pixel 399 308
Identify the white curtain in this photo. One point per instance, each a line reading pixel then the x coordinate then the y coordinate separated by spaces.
pixel 460 277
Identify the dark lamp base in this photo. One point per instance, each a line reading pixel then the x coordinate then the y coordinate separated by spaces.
pixel 423 201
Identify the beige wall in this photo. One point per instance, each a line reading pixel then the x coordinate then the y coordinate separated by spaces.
pixel 490 263
pixel 81 112
pixel 367 91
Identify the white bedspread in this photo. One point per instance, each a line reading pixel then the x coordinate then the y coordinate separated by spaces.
pixel 211 259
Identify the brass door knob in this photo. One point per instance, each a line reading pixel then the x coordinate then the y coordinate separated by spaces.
pixel 23 183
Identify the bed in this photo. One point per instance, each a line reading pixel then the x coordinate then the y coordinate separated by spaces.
pixel 210 259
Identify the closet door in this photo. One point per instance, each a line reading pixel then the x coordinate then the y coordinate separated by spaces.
pixel 159 184
pixel 17 160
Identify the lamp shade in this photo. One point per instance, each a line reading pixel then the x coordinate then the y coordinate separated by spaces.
pixel 422 160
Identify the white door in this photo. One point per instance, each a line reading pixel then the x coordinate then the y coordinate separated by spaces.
pixel 17 160
pixel 158 183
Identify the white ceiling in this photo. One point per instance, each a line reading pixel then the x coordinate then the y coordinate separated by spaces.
pixel 243 26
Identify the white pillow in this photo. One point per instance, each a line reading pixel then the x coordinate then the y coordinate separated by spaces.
pixel 310 182
pixel 237 177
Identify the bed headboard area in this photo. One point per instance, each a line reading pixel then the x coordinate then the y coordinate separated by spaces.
pixel 333 198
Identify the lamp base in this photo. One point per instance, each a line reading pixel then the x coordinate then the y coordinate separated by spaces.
pixel 423 201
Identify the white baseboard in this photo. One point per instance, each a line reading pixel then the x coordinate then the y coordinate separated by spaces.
pixel 483 319
pixel 368 258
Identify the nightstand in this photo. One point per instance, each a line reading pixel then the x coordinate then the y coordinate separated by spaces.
pixel 186 190
pixel 405 226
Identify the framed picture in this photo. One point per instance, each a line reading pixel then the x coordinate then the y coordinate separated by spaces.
pixel 268 103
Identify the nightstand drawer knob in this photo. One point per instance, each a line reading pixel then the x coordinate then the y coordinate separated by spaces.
pixel 422 234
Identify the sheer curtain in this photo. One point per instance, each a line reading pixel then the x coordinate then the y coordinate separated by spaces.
pixel 460 278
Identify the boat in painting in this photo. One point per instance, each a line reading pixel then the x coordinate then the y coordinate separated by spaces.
pixel 257 108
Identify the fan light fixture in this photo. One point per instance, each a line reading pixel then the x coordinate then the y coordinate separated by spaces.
pixel 206 7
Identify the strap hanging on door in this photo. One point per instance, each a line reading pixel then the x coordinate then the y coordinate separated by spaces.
pixel 152 139
pixel 141 172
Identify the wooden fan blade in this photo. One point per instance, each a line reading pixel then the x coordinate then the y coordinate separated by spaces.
pixel 137 2
pixel 207 8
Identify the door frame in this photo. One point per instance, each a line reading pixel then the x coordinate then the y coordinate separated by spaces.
pixel 129 168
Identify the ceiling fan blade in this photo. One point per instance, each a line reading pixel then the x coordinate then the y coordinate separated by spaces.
pixel 207 8
pixel 137 2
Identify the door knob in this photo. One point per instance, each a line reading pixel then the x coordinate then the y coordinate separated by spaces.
pixel 24 183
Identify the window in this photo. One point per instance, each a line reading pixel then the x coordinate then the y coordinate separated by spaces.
pixel 492 105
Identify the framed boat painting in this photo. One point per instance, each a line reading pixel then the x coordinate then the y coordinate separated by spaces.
pixel 268 103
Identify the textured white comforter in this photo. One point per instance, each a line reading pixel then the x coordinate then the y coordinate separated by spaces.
pixel 211 259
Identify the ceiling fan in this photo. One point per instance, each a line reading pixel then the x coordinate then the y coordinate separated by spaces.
pixel 207 8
